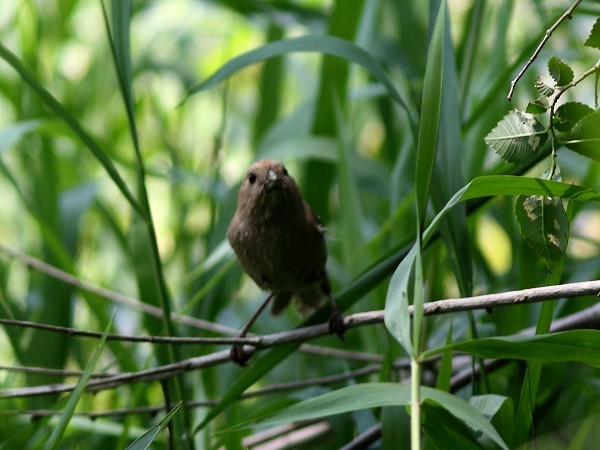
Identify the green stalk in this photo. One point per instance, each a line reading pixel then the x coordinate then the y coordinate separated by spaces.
pixel 415 404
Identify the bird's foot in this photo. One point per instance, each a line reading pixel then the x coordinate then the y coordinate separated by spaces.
pixel 238 355
pixel 336 322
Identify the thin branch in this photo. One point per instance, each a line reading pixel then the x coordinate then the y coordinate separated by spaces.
pixel 568 14
pixel 488 301
pixel 365 439
pixel 157 312
pixel 274 388
pixel 57 372
pixel 131 338
pixel 113 296
pixel 298 438
pixel 339 353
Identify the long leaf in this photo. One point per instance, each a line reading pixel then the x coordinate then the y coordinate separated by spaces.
pixel 145 440
pixel 72 122
pixel 372 395
pixel 577 345
pixel 149 271
pixel 328 45
pixel 59 431
pixel 531 379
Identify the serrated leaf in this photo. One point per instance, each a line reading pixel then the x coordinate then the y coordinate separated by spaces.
pixel 568 114
pixel 537 106
pixel 517 137
pixel 545 86
pixel 584 137
pixel 544 225
pixel 593 39
pixel 560 71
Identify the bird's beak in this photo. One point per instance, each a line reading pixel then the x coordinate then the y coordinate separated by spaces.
pixel 272 181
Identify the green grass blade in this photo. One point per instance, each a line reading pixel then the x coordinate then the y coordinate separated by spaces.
pixel 328 45
pixel 72 123
pixel 445 373
pixel 397 318
pixel 350 204
pixel 449 171
pixel 372 395
pixel 531 379
pixel 58 432
pixel 145 440
pixel 270 86
pixel 577 345
pixel 143 240
pixel 431 107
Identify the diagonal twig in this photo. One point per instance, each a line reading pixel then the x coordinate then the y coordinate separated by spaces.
pixel 567 14
pixel 487 301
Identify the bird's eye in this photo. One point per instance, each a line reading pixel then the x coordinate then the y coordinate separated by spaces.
pixel 285 171
pixel 251 177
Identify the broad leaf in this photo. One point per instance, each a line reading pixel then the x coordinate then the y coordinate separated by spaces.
pixel 560 71
pixel 544 225
pixel 568 114
pixel 517 137
pixel 584 137
pixel 593 39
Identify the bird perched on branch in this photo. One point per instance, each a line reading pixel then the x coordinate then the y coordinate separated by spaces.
pixel 280 243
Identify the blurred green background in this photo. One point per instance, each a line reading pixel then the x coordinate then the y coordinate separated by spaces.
pixel 347 142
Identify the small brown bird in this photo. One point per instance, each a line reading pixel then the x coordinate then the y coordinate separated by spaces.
pixel 280 243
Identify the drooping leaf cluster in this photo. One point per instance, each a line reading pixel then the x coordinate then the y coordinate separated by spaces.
pixel 520 136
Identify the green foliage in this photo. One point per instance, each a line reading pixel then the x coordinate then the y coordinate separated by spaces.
pixel 593 39
pixel 544 225
pixel 369 395
pixel 125 128
pixel 560 72
pixel 517 138
pixel 584 136
pixel 145 440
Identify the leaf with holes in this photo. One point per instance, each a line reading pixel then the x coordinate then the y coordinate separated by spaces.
pixel 560 71
pixel 544 225
pixel 568 114
pixel 517 137
pixel 594 38
pixel 545 86
pixel 584 137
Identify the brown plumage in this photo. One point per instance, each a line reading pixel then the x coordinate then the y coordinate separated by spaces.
pixel 280 241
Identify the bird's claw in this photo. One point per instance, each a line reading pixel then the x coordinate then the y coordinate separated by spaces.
pixel 336 323
pixel 238 355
